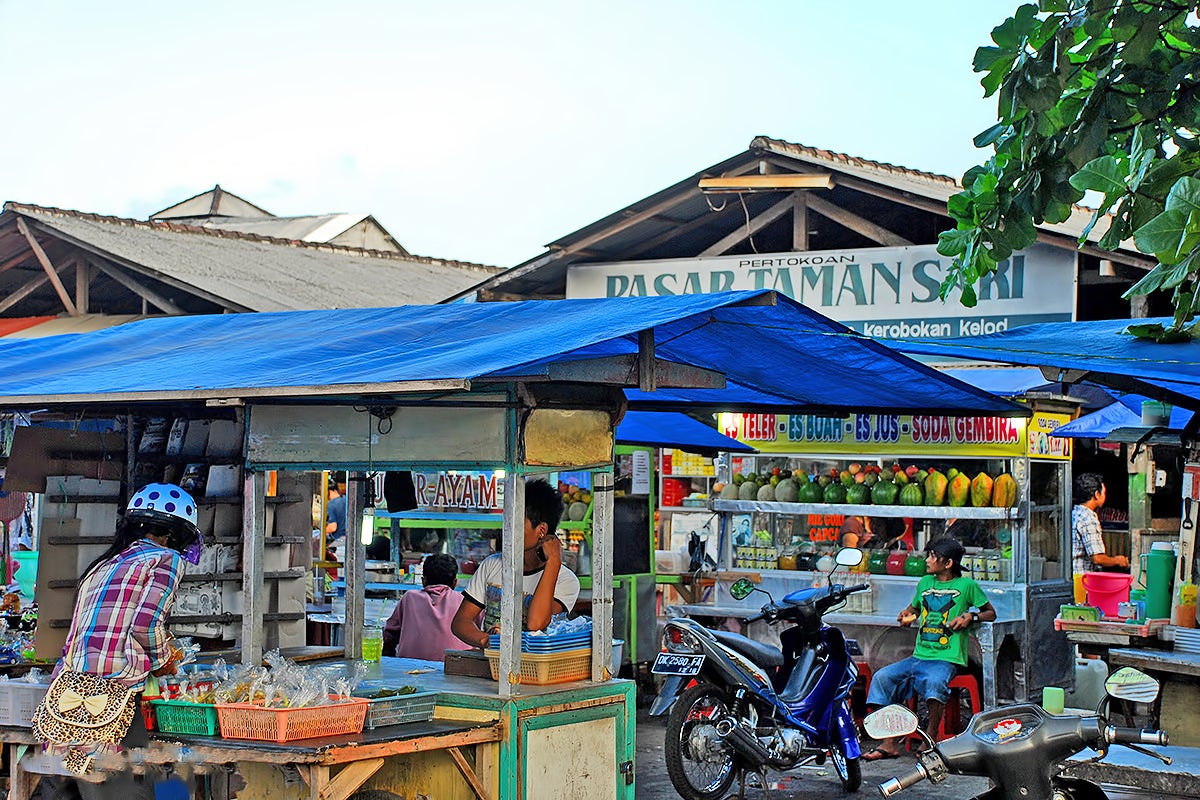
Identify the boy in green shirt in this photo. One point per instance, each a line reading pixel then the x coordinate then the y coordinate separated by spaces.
pixel 942 604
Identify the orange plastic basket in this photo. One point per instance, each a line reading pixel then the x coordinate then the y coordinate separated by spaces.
pixel 540 669
pixel 248 721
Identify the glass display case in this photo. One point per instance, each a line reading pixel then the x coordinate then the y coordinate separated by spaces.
pixel 1001 490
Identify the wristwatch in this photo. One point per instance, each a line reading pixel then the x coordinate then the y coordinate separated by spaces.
pixel 974 616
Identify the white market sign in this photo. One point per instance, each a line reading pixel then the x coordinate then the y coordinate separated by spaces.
pixel 884 292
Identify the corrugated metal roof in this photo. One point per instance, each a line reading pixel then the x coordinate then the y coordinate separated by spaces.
pixel 924 184
pixel 684 212
pixel 312 228
pixel 254 273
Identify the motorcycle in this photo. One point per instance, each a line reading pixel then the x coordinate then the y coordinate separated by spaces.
pixel 1023 748
pixel 736 705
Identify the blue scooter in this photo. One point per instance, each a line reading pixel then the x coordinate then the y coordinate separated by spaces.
pixel 736 705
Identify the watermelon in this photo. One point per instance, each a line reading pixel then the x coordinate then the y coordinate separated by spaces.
pixel 859 494
pixel 812 493
pixel 884 493
pixel 835 493
pixel 912 495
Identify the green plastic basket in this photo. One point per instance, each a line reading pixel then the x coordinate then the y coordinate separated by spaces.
pixel 179 716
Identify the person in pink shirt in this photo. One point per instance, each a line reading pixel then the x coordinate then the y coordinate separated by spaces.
pixel 420 625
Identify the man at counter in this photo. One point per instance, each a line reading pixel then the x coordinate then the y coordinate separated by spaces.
pixel 1087 545
pixel 549 587
pixel 943 603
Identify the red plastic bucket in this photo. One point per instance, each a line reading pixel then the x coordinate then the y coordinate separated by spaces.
pixel 1107 590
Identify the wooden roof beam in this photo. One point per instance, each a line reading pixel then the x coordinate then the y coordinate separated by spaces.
pixel 135 268
pixel 744 232
pixel 28 288
pixel 860 225
pixel 141 290
pixel 51 272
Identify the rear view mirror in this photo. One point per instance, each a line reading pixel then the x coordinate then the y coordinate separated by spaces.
pixel 889 721
pixel 1128 683
pixel 849 557
pixel 741 589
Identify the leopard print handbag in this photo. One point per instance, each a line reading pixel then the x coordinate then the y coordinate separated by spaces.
pixel 82 714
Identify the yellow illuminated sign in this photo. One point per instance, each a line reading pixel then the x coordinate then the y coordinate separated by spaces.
pixel 899 434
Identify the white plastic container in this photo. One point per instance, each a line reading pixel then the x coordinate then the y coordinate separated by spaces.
pixel 1090 674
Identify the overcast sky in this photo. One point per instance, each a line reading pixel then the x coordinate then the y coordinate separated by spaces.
pixel 477 131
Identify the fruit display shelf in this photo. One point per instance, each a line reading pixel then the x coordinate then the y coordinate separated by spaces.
pixel 916 512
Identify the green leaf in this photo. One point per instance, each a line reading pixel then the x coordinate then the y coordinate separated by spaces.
pixel 1150 282
pixel 1146 330
pixel 1184 195
pixel 955 242
pixel 968 297
pixel 1162 235
pixel 1105 174
pixel 990 135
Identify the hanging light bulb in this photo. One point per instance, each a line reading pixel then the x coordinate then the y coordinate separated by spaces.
pixel 367 528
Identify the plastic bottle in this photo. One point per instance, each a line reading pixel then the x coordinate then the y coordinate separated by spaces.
pixel 1158 570
pixel 1186 611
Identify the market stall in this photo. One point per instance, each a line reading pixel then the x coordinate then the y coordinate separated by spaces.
pixel 813 472
pixel 526 388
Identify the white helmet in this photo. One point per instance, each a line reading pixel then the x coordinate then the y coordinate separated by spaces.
pixel 170 505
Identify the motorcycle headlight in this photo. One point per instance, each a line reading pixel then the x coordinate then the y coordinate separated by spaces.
pixel 677 640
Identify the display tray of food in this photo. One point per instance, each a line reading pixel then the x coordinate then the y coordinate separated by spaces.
pixel 1120 627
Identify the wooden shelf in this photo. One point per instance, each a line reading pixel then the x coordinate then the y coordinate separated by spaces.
pixel 208 577
pixel 82 498
pixel 179 458
pixel 291 616
pixel 270 540
pixel 846 509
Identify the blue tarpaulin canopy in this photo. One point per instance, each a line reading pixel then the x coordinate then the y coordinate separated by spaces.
pixel 1125 413
pixel 674 429
pixel 1098 351
pixel 773 352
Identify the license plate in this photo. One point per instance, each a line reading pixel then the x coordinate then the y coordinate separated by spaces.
pixel 677 664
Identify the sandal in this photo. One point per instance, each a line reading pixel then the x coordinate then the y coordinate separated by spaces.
pixel 878 754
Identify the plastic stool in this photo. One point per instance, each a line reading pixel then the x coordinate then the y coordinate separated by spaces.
pixel 952 722
pixel 858 692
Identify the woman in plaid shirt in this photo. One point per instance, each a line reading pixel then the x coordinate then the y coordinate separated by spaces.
pixel 119 626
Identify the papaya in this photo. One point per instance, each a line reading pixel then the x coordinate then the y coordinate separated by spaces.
pixel 981 490
pixel 812 493
pixel 950 473
pixel 912 495
pixel 958 492
pixel 859 494
pixel 835 493
pixel 766 493
pixel 1004 491
pixel 884 493
pixel 935 488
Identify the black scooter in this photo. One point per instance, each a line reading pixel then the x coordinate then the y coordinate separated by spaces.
pixel 1022 748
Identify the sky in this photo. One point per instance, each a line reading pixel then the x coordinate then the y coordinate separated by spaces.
pixel 474 131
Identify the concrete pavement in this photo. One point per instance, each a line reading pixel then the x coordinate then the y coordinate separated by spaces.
pixel 801 784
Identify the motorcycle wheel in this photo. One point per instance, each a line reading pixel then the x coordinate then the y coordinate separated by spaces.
pixel 701 767
pixel 849 770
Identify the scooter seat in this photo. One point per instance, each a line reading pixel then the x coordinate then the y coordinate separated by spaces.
pixel 762 654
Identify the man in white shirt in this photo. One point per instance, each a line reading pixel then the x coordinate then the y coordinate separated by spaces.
pixel 548 586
